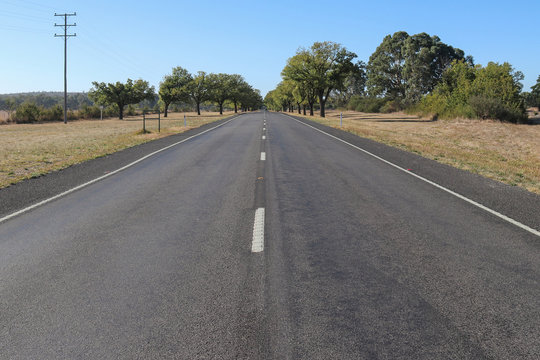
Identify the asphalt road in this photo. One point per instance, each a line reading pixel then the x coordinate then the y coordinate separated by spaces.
pixel 360 260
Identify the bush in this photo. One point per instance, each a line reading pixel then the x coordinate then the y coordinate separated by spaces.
pixel 477 92
pixel 391 107
pixel 485 107
pixel 55 113
pixel 492 108
pixel 130 110
pixel 72 115
pixel 27 112
pixel 366 104
pixel 90 112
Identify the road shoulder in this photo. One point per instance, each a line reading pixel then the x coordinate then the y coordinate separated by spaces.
pixel 32 191
pixel 514 202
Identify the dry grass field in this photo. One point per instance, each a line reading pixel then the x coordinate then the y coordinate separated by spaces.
pixel 506 152
pixel 31 150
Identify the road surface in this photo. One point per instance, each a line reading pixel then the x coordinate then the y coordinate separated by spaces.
pixel 356 259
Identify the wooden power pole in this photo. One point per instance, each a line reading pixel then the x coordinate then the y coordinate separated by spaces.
pixel 65 36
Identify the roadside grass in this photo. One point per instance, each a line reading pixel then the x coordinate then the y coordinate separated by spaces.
pixel 505 152
pixel 31 150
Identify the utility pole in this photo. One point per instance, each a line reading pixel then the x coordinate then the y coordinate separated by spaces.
pixel 65 36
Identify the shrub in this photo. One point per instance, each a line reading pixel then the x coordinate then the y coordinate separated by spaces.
pixel 54 113
pixel 130 110
pixel 72 115
pixel 485 107
pixel 391 106
pixel 492 108
pixel 27 112
pixel 366 104
pixel 477 92
pixel 90 112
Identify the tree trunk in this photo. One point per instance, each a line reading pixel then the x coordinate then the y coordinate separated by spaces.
pixel 299 109
pixel 198 108
pixel 321 102
pixel 221 108
pixel 304 109
pixel 310 109
pixel 235 108
pixel 166 109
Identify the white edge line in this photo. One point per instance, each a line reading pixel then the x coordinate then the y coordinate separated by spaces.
pixel 493 212
pixel 43 202
pixel 257 244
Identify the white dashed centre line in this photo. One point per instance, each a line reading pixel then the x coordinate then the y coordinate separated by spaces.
pixel 264 137
pixel 257 245
pixel 263 156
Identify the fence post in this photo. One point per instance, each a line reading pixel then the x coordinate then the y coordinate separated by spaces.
pixel 185 123
pixel 341 119
pixel 144 122
pixel 159 121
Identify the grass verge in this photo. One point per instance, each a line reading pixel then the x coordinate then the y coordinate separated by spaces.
pixel 505 152
pixel 31 150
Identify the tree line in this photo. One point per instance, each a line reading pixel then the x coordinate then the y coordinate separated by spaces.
pixel 179 89
pixel 45 99
pixel 417 73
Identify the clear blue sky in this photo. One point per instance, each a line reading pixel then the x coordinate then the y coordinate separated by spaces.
pixel 124 39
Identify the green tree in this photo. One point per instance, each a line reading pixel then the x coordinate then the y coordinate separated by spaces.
pixel 283 95
pixel 271 101
pixel 354 84
pixel 198 90
pixel 238 89
pixel 470 91
pixel 534 95
pixel 251 99
pixel 406 67
pixel 500 86
pixel 121 94
pixel 324 66
pixel 174 87
pixel 219 88
pixel 299 95
pixel 299 71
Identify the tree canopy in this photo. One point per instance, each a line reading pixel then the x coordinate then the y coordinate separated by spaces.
pixel 220 87
pixel 175 87
pixel 121 94
pixel 198 90
pixel 406 67
pixel 493 91
pixel 534 95
pixel 323 68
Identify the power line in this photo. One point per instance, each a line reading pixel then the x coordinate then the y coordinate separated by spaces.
pixel 65 36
